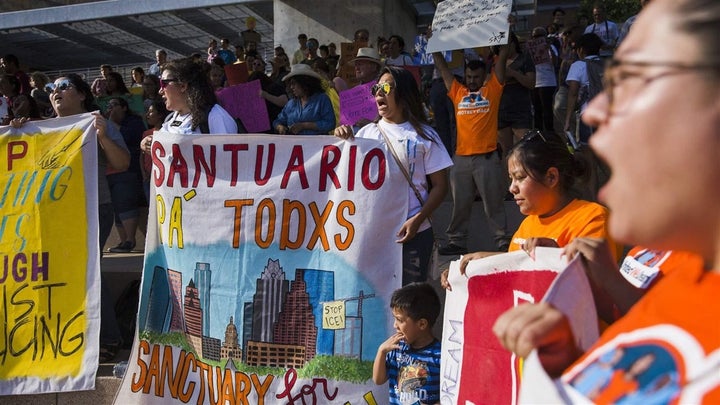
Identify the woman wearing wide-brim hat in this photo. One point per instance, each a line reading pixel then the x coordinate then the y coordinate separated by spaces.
pixel 309 110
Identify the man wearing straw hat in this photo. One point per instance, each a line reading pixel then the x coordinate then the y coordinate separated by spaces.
pixel 367 65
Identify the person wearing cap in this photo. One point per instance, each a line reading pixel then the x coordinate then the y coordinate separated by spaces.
pixel 309 110
pixel 299 55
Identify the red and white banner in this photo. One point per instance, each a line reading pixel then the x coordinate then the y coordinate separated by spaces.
pixel 475 368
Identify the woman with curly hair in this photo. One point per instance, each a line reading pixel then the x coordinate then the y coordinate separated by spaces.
pixel 189 96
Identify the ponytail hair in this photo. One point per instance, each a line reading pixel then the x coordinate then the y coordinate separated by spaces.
pixel 538 151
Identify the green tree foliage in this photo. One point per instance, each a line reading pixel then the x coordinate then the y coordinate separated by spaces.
pixel 617 10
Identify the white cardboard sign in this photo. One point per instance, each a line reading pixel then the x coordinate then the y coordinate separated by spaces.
pixel 460 24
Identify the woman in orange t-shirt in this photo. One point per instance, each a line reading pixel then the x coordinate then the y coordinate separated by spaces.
pixel 544 175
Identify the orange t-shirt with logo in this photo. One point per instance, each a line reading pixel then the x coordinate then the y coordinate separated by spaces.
pixel 476 115
pixel 578 218
pixel 678 322
pixel 642 267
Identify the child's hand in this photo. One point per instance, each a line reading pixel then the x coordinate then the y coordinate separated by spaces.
pixel 391 343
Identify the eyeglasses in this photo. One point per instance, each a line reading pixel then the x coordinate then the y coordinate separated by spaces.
pixel 620 85
pixel 384 87
pixel 165 82
pixel 61 85
pixel 112 105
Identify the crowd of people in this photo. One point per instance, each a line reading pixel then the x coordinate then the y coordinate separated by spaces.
pixel 515 121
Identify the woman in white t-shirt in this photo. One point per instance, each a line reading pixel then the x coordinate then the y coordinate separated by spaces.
pixel 425 158
pixel 185 86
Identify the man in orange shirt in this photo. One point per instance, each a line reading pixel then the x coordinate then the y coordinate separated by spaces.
pixel 477 162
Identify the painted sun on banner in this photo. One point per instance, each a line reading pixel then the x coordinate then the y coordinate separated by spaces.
pixel 269 266
pixel 50 257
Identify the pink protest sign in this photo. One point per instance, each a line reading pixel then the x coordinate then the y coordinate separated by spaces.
pixel 357 103
pixel 243 101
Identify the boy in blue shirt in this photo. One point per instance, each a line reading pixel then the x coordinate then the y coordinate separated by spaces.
pixel 410 359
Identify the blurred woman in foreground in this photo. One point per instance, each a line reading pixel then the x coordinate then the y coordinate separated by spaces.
pixel 663 194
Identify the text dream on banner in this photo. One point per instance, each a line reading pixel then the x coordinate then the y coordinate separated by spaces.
pixel 270 262
pixel 51 262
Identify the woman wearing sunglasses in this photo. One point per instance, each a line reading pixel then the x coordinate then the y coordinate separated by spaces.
pixel 663 193
pixel 71 95
pixel 402 123
pixel 185 86
pixel 545 176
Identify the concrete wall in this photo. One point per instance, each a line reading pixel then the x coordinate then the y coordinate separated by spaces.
pixel 337 21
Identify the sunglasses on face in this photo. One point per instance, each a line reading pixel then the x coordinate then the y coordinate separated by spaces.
pixel 384 87
pixel 60 85
pixel 166 82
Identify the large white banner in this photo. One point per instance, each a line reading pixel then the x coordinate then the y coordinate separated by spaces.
pixel 269 265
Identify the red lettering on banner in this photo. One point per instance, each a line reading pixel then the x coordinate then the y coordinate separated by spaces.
pixel 328 163
pixel 234 149
pixel 178 166
pixel 201 165
pixel 204 162
pixel 13 155
pixel 305 391
pixel 367 164
pixel 295 164
pixel 158 151
pixel 260 178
